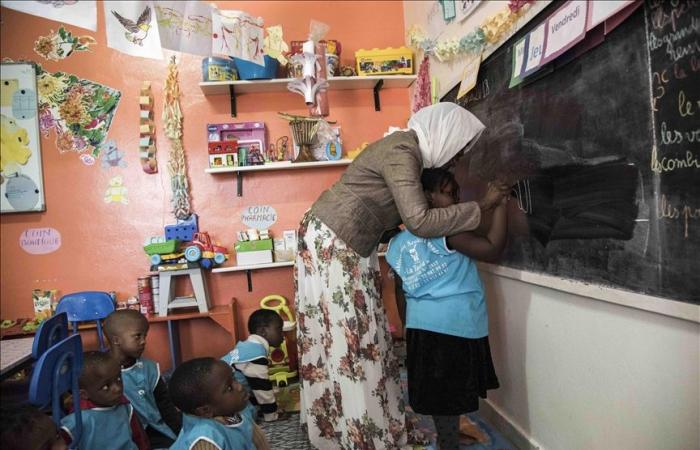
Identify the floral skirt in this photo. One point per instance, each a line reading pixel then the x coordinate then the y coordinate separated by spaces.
pixel 350 392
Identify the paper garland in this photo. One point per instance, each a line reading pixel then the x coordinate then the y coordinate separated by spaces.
pixel 147 132
pixel 79 111
pixel 490 31
pixel 185 26
pixel 61 44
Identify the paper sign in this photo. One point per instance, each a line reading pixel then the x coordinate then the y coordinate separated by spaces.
pixel 448 9
pixel 235 33
pixel 465 8
pixel 565 28
pixel 132 28
pixel 185 26
pixel 82 13
pixel 469 76
pixel 534 50
pixel 260 217
pixel 518 63
pixel 599 11
pixel 40 241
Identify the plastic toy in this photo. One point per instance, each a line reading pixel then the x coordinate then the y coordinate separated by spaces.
pixel 201 249
pixel 283 359
pixel 183 230
pixel 388 61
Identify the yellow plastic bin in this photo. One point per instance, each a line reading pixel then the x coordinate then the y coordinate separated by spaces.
pixel 388 61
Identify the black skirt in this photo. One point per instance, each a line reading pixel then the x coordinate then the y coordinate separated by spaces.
pixel 447 374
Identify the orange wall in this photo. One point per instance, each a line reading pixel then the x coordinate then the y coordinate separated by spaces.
pixel 101 243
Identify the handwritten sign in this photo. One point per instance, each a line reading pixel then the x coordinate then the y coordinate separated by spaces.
pixel 599 11
pixel 518 59
pixel 40 241
pixel 534 46
pixel 469 76
pixel 565 28
pixel 260 217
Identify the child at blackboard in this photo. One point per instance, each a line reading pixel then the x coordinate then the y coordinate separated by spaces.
pixel 448 355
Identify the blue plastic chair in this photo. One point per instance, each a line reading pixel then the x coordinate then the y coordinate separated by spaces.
pixel 51 331
pixel 57 372
pixel 85 307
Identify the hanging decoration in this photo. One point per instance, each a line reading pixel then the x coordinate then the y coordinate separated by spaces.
pixel 185 26
pixel 172 118
pixel 237 34
pixel 81 13
pixel 61 44
pixel 421 93
pixel 132 28
pixel 490 31
pixel 79 111
pixel 147 132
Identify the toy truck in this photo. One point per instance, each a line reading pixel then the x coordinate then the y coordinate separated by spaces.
pixel 201 249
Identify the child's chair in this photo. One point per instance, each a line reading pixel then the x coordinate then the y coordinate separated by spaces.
pixel 57 372
pixel 51 331
pixel 283 359
pixel 87 306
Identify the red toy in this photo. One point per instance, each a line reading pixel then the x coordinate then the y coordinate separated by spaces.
pixel 201 248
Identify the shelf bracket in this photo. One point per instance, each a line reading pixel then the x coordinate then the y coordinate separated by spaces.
pixel 239 184
pixel 232 94
pixel 249 276
pixel 377 87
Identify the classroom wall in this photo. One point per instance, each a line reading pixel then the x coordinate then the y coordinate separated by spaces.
pixel 102 243
pixel 577 372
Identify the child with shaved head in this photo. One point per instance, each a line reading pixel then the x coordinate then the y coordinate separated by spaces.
pixel 126 332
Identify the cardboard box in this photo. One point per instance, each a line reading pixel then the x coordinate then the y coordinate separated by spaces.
pixel 253 246
pixel 387 61
pixel 254 257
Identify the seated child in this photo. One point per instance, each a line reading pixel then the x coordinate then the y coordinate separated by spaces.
pixel 249 359
pixel 216 411
pixel 107 416
pixel 27 428
pixel 126 332
pixel 448 356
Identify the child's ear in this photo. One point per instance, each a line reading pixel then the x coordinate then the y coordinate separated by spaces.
pixel 204 411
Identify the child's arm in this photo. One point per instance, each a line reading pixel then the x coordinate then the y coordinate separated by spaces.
pixel 486 248
pixel 400 298
pixel 257 374
pixel 171 416
pixel 259 438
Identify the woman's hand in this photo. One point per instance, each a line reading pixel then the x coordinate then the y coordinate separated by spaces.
pixel 495 194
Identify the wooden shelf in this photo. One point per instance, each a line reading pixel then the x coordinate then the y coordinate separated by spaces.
pixel 271 265
pixel 280 84
pixel 281 165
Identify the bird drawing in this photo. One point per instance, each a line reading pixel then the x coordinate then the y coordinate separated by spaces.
pixel 137 31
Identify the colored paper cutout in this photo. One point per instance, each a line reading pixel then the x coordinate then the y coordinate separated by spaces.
pixel 14 146
pixel 24 103
pixel 116 191
pixel 132 28
pixel 7 91
pixel 61 44
pixel 111 155
pixel 79 111
pixel 22 193
pixel 81 13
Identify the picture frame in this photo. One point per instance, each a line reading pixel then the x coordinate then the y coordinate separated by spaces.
pixel 22 180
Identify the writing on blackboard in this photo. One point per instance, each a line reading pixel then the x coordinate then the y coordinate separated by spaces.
pixel 660 18
pixel 682 212
pixel 670 137
pixel 666 164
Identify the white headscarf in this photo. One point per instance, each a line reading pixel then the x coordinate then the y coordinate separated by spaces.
pixel 443 130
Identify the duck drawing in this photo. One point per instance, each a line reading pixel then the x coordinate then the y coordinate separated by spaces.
pixel 137 31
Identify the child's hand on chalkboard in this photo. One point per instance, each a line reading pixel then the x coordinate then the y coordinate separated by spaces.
pixel 494 195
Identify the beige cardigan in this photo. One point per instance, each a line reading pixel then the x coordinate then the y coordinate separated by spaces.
pixel 380 190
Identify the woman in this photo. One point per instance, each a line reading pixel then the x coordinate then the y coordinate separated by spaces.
pixel 351 398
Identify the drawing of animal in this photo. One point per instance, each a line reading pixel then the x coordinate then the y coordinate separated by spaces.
pixel 137 31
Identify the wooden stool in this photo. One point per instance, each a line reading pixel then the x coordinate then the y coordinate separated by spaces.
pixel 167 291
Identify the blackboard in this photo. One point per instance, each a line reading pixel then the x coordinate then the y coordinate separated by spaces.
pixel 605 146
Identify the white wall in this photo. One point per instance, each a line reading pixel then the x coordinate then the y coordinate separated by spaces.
pixel 581 373
pixel 583 367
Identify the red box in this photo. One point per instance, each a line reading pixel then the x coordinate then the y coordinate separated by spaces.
pixel 221 147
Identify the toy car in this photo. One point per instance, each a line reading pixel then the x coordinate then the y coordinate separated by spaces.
pixel 201 249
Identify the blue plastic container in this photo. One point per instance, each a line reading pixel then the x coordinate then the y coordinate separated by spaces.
pixel 251 71
pixel 218 69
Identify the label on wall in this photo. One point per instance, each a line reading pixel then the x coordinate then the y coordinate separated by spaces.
pixel 260 217
pixel 565 28
pixel 40 241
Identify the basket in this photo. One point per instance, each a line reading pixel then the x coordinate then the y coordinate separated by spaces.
pixel 250 71
pixel 162 248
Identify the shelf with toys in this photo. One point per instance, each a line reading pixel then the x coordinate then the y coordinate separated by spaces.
pixel 238 87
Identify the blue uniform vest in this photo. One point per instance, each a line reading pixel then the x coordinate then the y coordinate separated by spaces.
pixel 225 437
pixel 140 381
pixel 103 428
pixel 245 351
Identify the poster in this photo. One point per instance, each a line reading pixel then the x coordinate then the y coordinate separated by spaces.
pixel 599 11
pixel 131 28
pixel 465 8
pixel 185 26
pixel 235 33
pixel 470 74
pixel 81 13
pixel 21 178
pixel 565 27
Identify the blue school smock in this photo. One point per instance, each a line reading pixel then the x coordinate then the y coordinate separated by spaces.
pixel 245 351
pixel 103 428
pixel 226 437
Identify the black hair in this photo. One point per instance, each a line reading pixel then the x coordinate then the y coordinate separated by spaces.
pixel 91 361
pixel 262 318
pixel 188 385
pixel 16 423
pixel 117 319
pixel 435 180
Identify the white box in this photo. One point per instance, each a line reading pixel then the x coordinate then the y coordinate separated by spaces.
pixel 252 258
pixel 290 240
